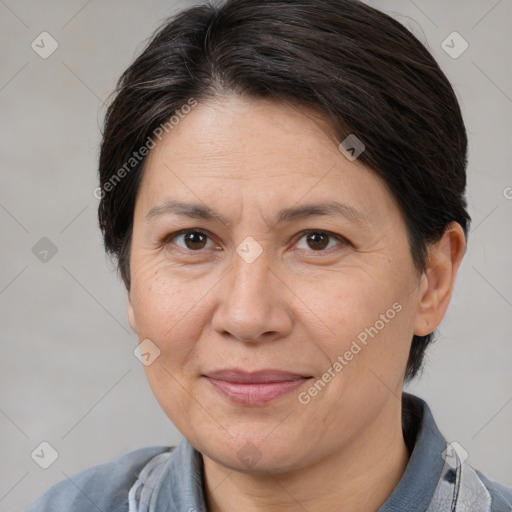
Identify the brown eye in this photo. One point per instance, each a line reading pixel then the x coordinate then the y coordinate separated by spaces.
pixel 195 240
pixel 318 241
pixel 192 240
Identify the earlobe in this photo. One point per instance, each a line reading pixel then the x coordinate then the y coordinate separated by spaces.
pixel 444 258
pixel 131 314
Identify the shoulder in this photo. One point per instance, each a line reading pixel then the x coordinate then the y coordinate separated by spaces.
pixel 101 487
pixel 459 485
pixel 501 496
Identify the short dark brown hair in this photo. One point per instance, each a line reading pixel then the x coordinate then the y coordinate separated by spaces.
pixel 359 68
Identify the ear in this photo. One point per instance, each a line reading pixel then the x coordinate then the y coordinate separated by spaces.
pixel 438 280
pixel 131 313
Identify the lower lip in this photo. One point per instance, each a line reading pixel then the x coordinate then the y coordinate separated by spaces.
pixel 255 394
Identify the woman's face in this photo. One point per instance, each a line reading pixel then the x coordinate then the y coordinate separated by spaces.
pixel 327 301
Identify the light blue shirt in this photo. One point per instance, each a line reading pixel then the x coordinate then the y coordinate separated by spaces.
pixel 164 479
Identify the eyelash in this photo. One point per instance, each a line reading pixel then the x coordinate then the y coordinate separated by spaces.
pixel 166 240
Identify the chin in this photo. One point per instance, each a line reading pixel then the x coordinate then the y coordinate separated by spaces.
pixel 247 457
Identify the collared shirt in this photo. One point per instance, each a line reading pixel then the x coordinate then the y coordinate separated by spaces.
pixel 163 479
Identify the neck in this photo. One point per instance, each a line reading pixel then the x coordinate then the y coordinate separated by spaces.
pixel 360 476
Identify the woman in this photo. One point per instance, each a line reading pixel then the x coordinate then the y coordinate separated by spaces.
pixel 289 231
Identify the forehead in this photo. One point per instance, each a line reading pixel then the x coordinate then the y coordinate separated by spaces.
pixel 232 150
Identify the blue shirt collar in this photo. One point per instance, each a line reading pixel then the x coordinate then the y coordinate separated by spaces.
pixel 180 484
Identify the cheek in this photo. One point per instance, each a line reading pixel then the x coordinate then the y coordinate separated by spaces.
pixel 166 309
pixel 167 312
pixel 349 303
pixel 364 321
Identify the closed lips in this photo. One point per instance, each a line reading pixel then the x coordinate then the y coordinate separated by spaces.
pixel 255 388
pixel 258 377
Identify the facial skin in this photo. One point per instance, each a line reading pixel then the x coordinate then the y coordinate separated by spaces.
pixel 297 307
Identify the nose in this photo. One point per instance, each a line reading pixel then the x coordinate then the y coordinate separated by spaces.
pixel 253 302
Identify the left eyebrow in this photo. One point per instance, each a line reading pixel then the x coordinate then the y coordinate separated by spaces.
pixel 198 211
pixel 333 208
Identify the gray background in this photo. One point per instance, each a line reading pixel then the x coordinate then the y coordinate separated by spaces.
pixel 67 372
